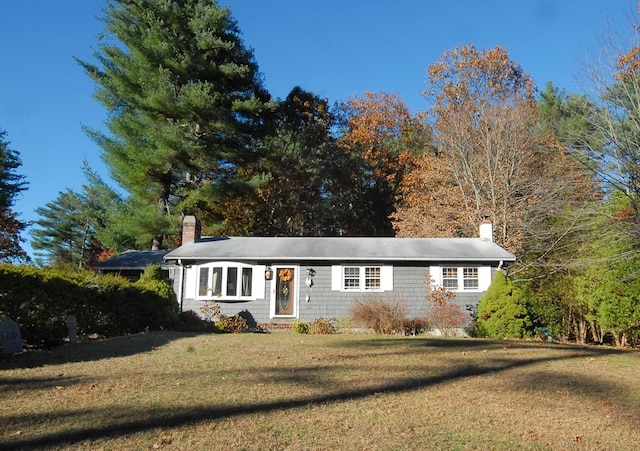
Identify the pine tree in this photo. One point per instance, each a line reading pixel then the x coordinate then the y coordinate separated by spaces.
pixel 185 102
pixel 11 185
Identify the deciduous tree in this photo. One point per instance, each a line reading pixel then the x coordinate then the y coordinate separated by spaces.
pixel 490 158
pixel 484 118
pixel 386 137
pixel 609 284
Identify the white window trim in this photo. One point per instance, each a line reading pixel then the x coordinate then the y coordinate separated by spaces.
pixel 338 276
pixel 257 281
pixel 484 277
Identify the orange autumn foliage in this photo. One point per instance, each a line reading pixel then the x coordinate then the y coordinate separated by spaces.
pixel 385 131
pixel 488 159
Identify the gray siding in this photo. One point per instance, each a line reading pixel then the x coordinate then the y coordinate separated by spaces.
pixel 408 286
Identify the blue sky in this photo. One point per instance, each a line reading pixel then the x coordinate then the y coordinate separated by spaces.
pixel 333 48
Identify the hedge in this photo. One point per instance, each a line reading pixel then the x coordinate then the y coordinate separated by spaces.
pixel 40 299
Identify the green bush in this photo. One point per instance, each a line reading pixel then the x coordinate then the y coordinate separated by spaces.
pixel 300 327
pixel 502 312
pixel 322 326
pixel 40 300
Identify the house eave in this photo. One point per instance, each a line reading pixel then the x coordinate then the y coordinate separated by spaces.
pixel 185 258
pixel 307 249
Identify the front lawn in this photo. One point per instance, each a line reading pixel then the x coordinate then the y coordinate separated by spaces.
pixel 286 391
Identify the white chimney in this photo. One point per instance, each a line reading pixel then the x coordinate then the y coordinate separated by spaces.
pixel 486 230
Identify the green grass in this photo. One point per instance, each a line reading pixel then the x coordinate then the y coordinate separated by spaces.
pixel 287 391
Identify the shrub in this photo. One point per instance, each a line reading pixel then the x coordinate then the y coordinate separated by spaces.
pixel 210 310
pixel 472 328
pixel 300 327
pixel 502 312
pixel 415 326
pixel 232 324
pixel 448 318
pixel 40 300
pixel 248 317
pixel 322 326
pixel 381 316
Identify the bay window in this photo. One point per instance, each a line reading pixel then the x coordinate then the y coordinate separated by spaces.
pixel 226 281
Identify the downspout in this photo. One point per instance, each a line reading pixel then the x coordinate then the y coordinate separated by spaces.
pixel 180 284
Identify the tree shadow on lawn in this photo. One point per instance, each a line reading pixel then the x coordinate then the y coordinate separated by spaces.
pixel 133 420
pixel 93 350
pixel 449 344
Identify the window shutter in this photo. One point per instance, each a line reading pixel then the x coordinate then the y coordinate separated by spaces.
pixel 258 281
pixel 190 282
pixel 386 278
pixel 484 278
pixel 336 277
pixel 435 273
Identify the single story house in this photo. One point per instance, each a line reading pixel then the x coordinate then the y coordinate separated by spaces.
pixel 281 279
pixel 131 264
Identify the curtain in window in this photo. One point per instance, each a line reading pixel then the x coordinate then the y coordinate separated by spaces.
pixel 203 282
pixel 216 281
pixel 247 276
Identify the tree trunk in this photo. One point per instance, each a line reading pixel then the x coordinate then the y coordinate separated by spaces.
pixel 596 333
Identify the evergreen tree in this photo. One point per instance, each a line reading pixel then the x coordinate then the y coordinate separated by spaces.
pixel 291 177
pixel 64 233
pixel 79 228
pixel 609 285
pixel 11 185
pixel 502 311
pixel 185 102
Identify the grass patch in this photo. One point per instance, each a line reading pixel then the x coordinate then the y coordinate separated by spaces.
pixel 166 390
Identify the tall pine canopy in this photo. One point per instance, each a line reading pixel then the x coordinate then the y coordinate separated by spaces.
pixel 185 102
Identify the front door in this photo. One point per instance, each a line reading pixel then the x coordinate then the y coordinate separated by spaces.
pixel 284 291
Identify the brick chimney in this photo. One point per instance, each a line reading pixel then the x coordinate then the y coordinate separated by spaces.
pixel 191 230
pixel 486 230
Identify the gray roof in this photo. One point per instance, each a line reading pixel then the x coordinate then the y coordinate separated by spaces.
pixel 341 249
pixel 133 260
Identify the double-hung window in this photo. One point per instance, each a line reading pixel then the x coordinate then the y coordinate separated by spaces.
pixel 372 278
pixel 460 278
pixel 225 281
pixel 470 278
pixel 362 278
pixel 450 278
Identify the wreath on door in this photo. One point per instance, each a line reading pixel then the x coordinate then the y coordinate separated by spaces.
pixel 285 276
